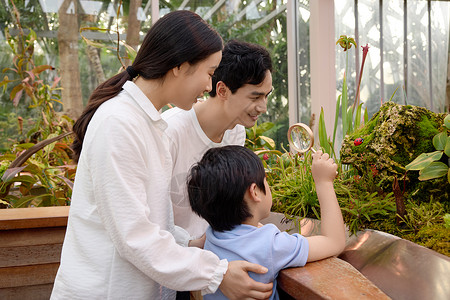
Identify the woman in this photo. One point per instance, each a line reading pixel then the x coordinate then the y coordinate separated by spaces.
pixel 121 242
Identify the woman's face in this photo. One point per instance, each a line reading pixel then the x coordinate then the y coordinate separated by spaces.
pixel 194 80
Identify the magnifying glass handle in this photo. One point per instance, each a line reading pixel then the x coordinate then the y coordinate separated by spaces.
pixel 312 149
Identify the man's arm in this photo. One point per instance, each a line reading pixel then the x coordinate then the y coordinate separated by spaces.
pixel 237 285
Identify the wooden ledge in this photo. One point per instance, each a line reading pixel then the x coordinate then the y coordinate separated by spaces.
pixel 36 217
pixel 331 278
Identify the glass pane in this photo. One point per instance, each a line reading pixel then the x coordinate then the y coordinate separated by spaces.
pixel 369 33
pixel 418 83
pixel 304 64
pixel 345 25
pixel 439 52
pixel 393 57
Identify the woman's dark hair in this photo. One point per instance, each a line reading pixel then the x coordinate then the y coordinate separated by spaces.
pixel 242 63
pixel 178 37
pixel 217 185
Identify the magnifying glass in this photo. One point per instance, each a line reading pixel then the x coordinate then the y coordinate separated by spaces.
pixel 301 138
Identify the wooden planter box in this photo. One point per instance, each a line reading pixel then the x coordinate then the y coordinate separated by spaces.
pixel 30 250
pixel 330 278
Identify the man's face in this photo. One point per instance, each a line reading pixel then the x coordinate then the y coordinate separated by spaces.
pixel 248 102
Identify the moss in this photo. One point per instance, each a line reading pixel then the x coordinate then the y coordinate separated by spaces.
pixel 426 130
pixel 393 137
pixel 435 237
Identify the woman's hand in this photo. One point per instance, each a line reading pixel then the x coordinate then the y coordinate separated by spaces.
pixel 237 285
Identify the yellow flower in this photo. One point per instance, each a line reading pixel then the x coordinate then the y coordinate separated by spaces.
pixel 346 42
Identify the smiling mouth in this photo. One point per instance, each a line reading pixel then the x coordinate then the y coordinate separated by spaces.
pixel 254 117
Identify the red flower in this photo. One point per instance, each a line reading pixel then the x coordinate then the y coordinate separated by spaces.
pixel 374 170
pixel 265 156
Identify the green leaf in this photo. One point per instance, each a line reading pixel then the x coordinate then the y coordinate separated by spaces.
pixel 23 179
pixel 423 160
pixel 130 51
pixel 358 117
pixel 336 117
pixel 447 147
pixel 439 141
pixel 40 69
pixel 93 28
pixel 434 170
pixel 447 220
pixel 447 121
pixel 4 202
pixel 9 157
pixel 268 140
pixel 11 173
pixel 25 201
pixel 323 140
pixel 390 99
pixel 263 127
pixel 448 175
pixel 344 107
pixel 15 90
pixel 350 119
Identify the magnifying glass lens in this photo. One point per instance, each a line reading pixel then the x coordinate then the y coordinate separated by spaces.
pixel 300 138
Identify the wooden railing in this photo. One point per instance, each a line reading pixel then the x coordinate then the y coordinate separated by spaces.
pixel 30 250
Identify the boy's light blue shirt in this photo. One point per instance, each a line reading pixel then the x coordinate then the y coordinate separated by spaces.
pixel 266 246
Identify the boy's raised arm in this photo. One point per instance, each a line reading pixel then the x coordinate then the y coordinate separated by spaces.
pixel 332 239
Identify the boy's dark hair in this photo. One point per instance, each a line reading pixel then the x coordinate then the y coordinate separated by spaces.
pixel 218 182
pixel 242 63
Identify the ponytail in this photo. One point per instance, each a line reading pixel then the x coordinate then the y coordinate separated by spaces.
pixel 105 91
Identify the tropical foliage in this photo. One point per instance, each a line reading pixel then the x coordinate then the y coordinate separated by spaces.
pixel 429 164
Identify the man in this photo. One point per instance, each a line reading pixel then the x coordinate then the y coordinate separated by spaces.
pixel 240 87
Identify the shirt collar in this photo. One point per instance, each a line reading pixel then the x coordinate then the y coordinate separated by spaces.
pixel 236 231
pixel 147 106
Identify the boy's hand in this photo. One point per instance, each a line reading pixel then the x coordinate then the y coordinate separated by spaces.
pixel 323 167
pixel 237 285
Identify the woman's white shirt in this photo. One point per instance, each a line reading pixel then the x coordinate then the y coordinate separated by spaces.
pixel 120 240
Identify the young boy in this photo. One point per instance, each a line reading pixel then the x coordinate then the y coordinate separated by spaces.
pixel 228 188
pixel 238 95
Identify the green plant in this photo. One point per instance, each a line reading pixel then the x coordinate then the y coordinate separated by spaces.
pixel 350 119
pixel 292 185
pixel 447 220
pixel 423 215
pixel 428 164
pixel 130 52
pixel 255 139
pixel 46 179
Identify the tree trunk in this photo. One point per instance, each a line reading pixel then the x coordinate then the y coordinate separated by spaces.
pixel 68 58
pixel 96 64
pixel 134 26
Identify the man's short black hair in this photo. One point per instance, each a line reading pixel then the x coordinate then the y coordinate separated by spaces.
pixel 242 63
pixel 217 184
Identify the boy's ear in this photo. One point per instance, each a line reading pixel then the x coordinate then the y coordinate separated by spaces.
pixel 253 192
pixel 222 89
